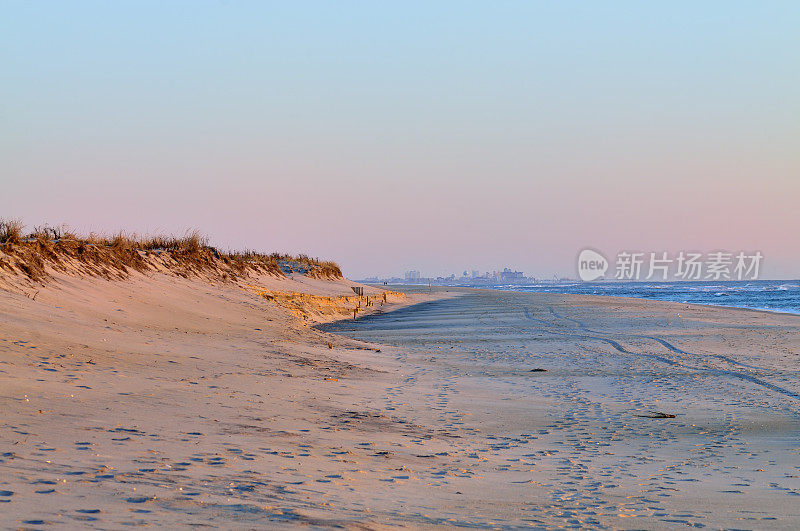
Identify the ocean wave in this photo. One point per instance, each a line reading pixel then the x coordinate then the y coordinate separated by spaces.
pixel 766 295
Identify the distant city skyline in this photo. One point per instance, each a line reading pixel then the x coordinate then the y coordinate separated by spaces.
pixel 473 277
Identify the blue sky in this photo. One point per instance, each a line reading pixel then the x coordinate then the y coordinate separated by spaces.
pixel 434 135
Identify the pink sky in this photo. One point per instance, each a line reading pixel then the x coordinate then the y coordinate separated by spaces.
pixel 389 140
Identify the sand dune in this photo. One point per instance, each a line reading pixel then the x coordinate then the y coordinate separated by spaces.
pixel 108 385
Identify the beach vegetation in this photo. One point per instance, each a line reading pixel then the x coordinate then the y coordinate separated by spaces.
pixel 49 249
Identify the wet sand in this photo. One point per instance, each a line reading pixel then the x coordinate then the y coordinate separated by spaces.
pixel 157 403
pixel 584 442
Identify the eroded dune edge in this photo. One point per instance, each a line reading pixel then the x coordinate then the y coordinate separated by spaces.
pixel 47 255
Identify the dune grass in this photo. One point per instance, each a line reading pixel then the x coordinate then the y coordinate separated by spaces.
pixel 115 256
pixel 11 230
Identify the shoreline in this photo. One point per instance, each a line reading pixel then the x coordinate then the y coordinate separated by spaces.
pixel 765 310
pixel 175 402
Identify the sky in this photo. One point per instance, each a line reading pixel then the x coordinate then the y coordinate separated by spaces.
pixel 438 136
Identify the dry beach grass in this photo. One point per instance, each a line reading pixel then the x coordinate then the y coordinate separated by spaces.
pixel 115 256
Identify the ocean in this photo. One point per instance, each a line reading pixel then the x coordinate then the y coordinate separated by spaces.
pixel 770 295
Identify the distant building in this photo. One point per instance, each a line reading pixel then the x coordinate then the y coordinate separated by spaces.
pixel 508 275
pixel 413 275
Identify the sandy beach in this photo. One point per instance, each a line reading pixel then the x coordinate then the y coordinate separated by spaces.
pixel 178 402
pixel 573 225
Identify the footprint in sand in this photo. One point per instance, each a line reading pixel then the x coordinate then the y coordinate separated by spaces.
pixel 138 499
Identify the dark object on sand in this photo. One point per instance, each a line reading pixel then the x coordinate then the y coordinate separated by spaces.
pixel 538 370
pixel 657 415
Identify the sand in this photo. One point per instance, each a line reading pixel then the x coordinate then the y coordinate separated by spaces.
pixel 175 402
